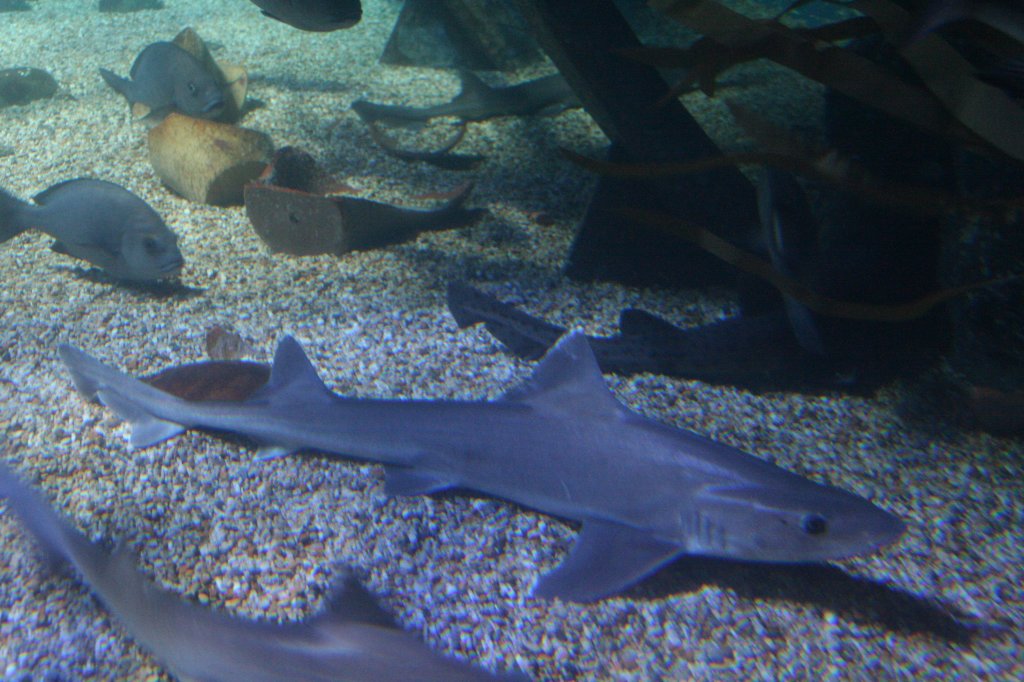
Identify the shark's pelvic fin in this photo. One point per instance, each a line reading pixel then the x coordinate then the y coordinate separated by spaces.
pixel 606 558
pixel 292 378
pixel 146 429
pixel 568 379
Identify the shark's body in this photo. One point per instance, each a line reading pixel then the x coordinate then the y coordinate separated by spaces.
pixel 644 492
pixel 354 640
pixel 478 101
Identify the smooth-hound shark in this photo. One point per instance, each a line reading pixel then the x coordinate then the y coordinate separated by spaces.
pixel 644 492
pixel 353 640
pixel 478 101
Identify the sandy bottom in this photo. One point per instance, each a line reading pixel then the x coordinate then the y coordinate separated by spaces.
pixel 263 539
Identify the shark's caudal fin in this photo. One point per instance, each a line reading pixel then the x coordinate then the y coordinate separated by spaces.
pixel 121 393
pixel 526 336
pixel 35 514
pixel 568 379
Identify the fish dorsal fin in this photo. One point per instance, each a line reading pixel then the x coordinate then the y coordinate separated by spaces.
pixel 351 602
pixel 292 378
pixel 567 378
pixel 42 197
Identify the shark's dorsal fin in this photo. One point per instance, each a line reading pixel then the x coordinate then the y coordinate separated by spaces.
pixel 292 378
pixel 351 602
pixel 473 87
pixel 568 378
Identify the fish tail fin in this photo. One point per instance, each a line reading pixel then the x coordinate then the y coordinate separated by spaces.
pixel 372 112
pixel 11 224
pixel 454 212
pixel 119 84
pixel 114 389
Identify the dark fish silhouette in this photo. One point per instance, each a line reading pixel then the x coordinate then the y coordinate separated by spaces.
pixel 1006 16
pixel 101 223
pixel 353 641
pixel 758 352
pixel 166 78
pixel 561 443
pixel 478 101
pixel 314 15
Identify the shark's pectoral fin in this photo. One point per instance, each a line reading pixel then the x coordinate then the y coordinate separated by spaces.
pixel 408 481
pixel 146 429
pixel 606 558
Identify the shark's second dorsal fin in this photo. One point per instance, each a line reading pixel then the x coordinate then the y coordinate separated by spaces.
pixel 474 89
pixel 568 378
pixel 292 378
pixel 351 602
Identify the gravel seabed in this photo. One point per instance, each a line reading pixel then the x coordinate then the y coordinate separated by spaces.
pixel 263 538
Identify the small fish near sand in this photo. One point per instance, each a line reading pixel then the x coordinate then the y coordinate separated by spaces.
pixel 167 78
pixel 354 640
pixel 313 15
pixel 101 223
pixel 644 492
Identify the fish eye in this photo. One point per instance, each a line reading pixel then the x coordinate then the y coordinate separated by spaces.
pixel 192 88
pixel 814 524
pixel 152 246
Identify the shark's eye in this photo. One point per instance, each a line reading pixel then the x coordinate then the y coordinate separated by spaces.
pixel 814 524
pixel 192 88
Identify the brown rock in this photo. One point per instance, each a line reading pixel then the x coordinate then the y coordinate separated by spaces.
pixel 206 161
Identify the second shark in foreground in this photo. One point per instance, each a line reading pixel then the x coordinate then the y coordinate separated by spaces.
pixel 561 443
pixel 353 641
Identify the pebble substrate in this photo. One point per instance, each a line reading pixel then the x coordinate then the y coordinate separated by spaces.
pixel 263 538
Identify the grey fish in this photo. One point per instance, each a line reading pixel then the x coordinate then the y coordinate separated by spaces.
pixel 478 101
pixel 167 78
pixel 313 15
pixel 644 492
pixel 101 223
pixel 353 640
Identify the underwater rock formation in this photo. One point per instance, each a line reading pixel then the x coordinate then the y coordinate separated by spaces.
pixel 205 161
pixel 297 220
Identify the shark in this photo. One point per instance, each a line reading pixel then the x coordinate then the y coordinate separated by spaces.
pixel 478 101
pixel 643 492
pixel 353 640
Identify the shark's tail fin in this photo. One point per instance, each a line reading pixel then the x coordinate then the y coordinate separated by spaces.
pixel 49 531
pixel 11 223
pixel 123 394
